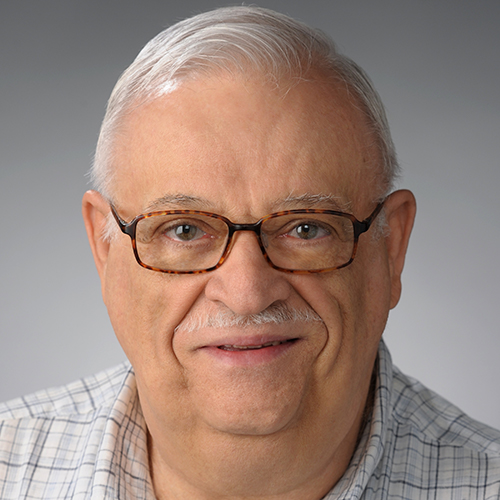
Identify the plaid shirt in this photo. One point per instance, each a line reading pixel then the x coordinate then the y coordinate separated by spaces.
pixel 88 440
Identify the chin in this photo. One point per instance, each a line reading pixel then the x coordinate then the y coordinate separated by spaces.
pixel 250 425
pixel 252 416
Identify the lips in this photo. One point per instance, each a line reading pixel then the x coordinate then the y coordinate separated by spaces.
pixel 247 351
pixel 232 347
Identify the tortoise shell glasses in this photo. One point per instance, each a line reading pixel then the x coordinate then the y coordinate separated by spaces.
pixel 294 241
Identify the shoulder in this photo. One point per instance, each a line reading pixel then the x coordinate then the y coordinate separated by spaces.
pixel 434 419
pixel 56 443
pixel 432 448
pixel 77 398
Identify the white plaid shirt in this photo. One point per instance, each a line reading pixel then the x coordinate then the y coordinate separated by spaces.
pixel 88 440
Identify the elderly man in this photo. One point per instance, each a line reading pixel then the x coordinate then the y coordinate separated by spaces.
pixel 250 248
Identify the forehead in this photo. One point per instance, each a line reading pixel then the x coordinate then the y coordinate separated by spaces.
pixel 242 145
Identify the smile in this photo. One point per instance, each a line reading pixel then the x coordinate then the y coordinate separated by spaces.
pixel 253 347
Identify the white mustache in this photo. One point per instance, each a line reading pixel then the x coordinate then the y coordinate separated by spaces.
pixel 225 318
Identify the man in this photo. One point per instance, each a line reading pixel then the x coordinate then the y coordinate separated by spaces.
pixel 250 248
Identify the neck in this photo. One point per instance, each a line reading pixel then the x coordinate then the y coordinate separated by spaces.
pixel 286 465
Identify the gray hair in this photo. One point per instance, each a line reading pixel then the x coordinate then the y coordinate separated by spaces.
pixel 237 39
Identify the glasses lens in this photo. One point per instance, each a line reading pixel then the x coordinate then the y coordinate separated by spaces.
pixel 178 242
pixel 308 241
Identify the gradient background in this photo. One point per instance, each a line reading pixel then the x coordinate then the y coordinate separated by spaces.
pixel 437 66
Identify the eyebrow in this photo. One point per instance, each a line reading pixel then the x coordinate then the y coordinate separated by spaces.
pixel 307 200
pixel 178 201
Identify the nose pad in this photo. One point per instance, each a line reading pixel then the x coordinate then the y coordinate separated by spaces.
pixel 264 239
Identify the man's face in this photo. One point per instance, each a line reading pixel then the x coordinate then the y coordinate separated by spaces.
pixel 242 149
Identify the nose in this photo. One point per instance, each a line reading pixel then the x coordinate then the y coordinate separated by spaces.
pixel 246 283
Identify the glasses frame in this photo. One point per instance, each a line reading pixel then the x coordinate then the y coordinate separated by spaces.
pixel 360 227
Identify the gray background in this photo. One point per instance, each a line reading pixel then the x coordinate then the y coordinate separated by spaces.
pixel 436 64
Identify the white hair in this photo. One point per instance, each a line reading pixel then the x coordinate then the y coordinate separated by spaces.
pixel 237 39
pixel 222 317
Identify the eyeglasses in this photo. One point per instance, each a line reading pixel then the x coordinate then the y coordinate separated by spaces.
pixel 293 241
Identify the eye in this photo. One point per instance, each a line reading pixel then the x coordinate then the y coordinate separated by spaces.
pixel 308 231
pixel 184 232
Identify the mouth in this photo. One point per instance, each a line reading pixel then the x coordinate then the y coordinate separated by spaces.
pixel 242 351
pixel 233 347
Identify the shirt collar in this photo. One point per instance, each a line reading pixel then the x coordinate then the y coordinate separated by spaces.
pixel 371 445
pixel 122 464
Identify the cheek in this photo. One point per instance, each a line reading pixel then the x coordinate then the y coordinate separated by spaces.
pixel 144 307
pixel 354 322
pixel 354 304
pixel 364 299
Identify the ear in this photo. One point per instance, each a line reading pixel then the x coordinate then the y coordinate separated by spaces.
pixel 95 210
pixel 400 209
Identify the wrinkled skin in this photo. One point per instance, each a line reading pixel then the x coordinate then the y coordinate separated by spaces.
pixel 281 422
